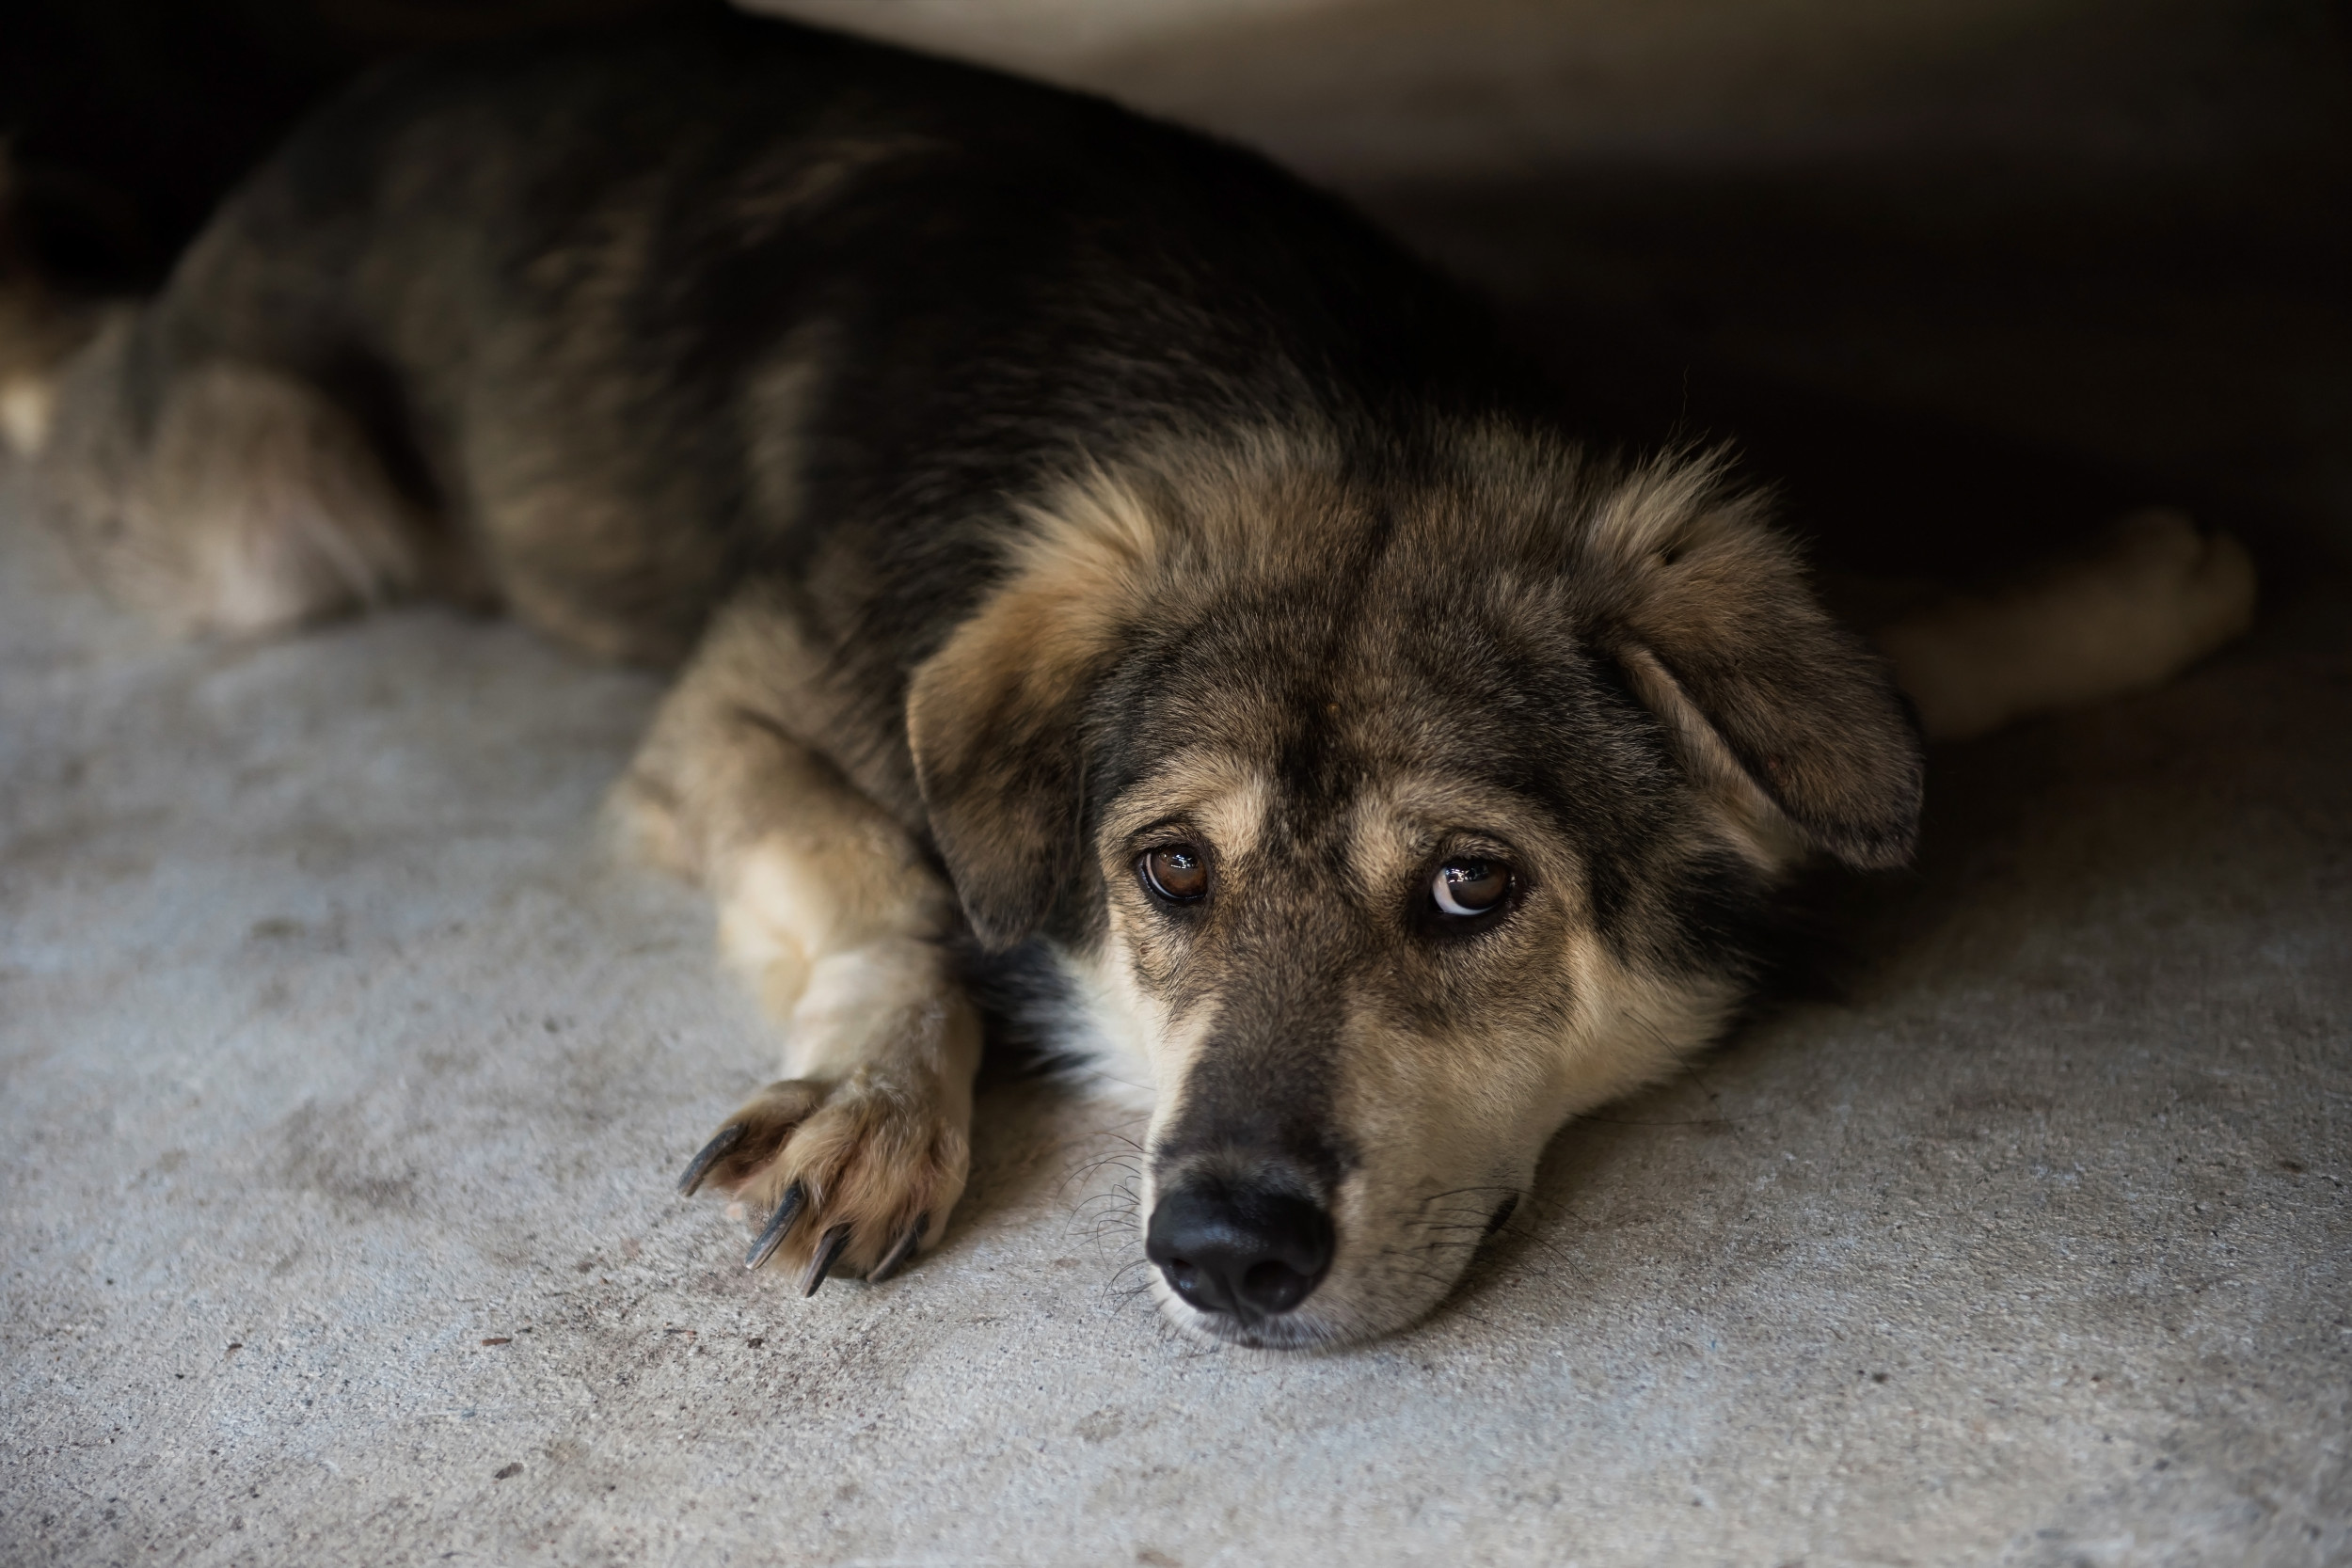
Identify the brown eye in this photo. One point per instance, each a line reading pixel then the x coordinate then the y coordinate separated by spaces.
pixel 1177 873
pixel 1466 888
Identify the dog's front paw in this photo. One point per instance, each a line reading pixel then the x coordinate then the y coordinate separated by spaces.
pixel 851 1177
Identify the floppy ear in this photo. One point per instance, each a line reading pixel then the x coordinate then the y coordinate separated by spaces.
pixel 1709 612
pixel 994 718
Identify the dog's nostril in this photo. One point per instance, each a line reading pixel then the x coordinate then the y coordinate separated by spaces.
pixel 1275 1287
pixel 1248 1251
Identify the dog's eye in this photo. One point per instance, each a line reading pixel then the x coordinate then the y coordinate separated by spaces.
pixel 1177 872
pixel 1466 888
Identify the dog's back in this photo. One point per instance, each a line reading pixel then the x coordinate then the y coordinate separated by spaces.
pixel 599 322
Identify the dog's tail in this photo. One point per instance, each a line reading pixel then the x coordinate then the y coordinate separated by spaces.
pixel 41 326
pixel 2153 598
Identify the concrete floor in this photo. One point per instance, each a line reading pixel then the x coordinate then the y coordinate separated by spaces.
pixel 342 1082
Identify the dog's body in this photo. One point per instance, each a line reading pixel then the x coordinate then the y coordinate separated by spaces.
pixel 1074 535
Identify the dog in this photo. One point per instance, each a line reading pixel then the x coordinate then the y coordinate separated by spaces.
pixel 1098 569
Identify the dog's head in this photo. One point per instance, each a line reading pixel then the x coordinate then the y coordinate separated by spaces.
pixel 1391 813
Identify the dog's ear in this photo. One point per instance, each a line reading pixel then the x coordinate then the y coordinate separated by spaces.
pixel 1709 612
pixel 994 722
pixel 994 719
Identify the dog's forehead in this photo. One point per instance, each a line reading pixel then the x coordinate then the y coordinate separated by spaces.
pixel 1210 788
pixel 1311 704
pixel 1324 766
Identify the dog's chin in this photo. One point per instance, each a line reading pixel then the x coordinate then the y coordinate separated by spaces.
pixel 1317 1325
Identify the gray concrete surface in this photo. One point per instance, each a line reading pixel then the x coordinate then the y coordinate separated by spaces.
pixel 341 1083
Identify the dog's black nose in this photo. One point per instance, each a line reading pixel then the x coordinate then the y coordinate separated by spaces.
pixel 1250 1251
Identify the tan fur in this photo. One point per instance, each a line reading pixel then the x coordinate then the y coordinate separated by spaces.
pixel 1007 678
pixel 38 334
pixel 39 331
pixel 781 398
pixel 1208 785
pixel 255 506
pixel 1146 1024
pixel 828 907
pixel 1105 541
pixel 2155 600
pixel 28 404
pixel 1720 604
pixel 1760 828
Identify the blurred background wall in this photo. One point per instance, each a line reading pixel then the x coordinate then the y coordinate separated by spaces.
pixel 2017 259
pixel 1379 89
pixel 2111 239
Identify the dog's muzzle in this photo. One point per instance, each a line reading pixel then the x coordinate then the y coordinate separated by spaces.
pixel 1245 1250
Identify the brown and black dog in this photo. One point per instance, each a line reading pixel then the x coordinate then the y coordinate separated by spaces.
pixel 1088 554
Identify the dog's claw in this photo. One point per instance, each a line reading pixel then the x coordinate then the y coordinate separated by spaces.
pixel 830 1174
pixel 828 1253
pixel 901 1250
pixel 712 1152
pixel 772 1237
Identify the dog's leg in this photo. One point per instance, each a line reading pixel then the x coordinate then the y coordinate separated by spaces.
pixel 853 1159
pixel 2155 600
